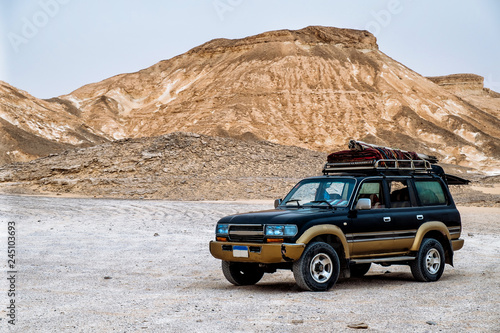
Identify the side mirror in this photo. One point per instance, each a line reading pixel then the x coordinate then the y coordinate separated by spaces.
pixel 363 204
pixel 277 202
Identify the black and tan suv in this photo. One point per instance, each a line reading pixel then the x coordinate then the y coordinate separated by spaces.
pixel 340 223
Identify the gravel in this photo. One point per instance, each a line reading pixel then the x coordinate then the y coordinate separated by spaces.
pixel 105 265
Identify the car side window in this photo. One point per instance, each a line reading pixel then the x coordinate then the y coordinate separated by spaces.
pixel 372 190
pixel 399 193
pixel 430 193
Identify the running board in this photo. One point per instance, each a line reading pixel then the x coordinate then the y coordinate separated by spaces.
pixel 377 260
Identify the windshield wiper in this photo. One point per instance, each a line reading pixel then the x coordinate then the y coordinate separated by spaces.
pixel 321 201
pixel 294 200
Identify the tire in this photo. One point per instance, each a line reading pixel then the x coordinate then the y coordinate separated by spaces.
pixel 360 270
pixel 430 261
pixel 242 274
pixel 318 268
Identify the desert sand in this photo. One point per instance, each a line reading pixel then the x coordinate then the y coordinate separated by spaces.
pixel 103 265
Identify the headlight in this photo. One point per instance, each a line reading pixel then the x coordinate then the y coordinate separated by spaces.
pixel 288 230
pixel 222 229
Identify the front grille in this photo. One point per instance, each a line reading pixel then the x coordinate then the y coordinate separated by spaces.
pixel 246 233
pixel 251 239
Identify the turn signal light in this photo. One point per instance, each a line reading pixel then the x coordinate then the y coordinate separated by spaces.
pixel 275 240
pixel 222 239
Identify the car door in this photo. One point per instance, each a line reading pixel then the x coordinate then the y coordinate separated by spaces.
pixel 404 215
pixel 369 230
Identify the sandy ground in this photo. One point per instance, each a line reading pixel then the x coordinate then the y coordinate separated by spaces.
pixel 97 265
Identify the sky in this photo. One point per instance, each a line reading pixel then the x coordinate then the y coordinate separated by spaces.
pixel 52 47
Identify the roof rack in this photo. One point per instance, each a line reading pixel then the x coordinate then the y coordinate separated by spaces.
pixel 367 159
pixel 379 165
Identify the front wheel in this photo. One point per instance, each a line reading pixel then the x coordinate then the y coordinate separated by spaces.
pixel 318 268
pixel 242 274
pixel 430 261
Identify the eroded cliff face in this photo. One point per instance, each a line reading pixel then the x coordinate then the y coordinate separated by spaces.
pixel 460 83
pixel 315 88
pixel 470 87
pixel 31 128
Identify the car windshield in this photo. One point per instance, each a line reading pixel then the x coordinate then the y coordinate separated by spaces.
pixel 328 192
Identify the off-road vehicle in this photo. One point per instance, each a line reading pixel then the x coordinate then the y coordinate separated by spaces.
pixel 394 210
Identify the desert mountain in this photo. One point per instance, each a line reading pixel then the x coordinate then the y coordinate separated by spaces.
pixel 31 128
pixel 315 88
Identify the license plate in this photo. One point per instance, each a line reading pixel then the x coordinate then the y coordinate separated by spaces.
pixel 240 251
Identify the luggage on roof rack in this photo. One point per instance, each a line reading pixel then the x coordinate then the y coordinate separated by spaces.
pixel 363 156
pixel 366 158
pixel 390 152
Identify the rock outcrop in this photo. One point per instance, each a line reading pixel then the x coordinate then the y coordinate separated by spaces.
pixel 470 88
pixel 459 83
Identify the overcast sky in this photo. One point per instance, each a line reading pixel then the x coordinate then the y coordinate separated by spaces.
pixel 52 47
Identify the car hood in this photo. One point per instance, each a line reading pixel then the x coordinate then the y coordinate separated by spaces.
pixel 280 216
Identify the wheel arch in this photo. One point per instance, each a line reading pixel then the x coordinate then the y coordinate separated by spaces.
pixel 438 231
pixel 329 234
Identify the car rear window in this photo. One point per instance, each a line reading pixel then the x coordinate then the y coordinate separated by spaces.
pixel 430 193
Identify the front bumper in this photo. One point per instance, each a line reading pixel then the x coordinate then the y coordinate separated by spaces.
pixel 258 252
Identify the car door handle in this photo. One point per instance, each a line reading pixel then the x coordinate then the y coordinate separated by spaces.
pixel 387 219
pixel 420 217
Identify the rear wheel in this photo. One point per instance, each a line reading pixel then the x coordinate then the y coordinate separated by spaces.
pixel 242 274
pixel 429 265
pixel 318 268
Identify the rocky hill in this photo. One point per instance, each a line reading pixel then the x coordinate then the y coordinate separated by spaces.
pixel 177 166
pixel 187 166
pixel 314 88
pixel 31 128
